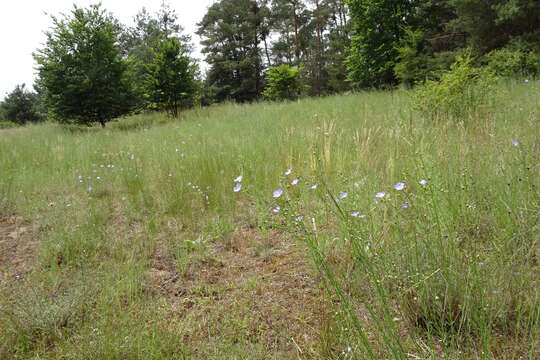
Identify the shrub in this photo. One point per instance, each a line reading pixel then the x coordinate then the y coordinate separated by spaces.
pixel 513 62
pixel 461 91
pixel 4 124
pixel 282 83
pixel 20 106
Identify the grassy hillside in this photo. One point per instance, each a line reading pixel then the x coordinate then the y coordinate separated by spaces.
pixel 129 242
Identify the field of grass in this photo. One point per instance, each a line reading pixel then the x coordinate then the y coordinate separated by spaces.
pixel 391 237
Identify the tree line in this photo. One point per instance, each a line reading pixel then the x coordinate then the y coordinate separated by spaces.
pixel 93 69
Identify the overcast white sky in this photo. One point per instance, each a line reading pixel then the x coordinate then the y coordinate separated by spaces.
pixel 22 23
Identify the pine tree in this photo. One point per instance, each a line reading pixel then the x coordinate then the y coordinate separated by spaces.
pixel 232 31
pixel 290 19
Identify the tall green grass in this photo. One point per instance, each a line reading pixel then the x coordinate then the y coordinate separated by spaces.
pixel 454 275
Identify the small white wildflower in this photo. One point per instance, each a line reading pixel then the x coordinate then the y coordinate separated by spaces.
pixel 277 193
pixel 423 182
pixel 343 195
pixel 295 182
pixel 526 81
pixel 380 195
pixel 239 179
pixel 358 215
pixel 98 177
pixel 288 172
pixel 237 187
pixel 299 218
pixel 276 210
pixel 314 187
pixel 515 142
pixel 405 205
pixel 400 186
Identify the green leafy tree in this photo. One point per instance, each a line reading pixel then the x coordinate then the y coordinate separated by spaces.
pixel 141 42
pixel 282 83
pixel 81 70
pixel 20 106
pixel 412 64
pixel 171 81
pixel 378 27
pixel 427 48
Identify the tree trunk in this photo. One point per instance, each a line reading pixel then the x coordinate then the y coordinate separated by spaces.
pixel 266 51
pixel 296 40
pixel 318 62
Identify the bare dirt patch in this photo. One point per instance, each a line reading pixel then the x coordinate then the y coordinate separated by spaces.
pixel 259 290
pixel 17 247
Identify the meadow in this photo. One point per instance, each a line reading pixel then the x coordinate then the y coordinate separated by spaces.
pixel 345 227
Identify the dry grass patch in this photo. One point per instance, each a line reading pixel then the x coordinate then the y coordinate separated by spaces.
pixel 17 248
pixel 257 293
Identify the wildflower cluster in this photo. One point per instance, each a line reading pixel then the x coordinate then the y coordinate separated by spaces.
pixel 279 199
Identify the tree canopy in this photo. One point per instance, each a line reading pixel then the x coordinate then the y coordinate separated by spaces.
pixel 20 106
pixel 141 44
pixel 93 69
pixel 81 69
pixel 283 83
pixel 171 81
pixel 232 31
